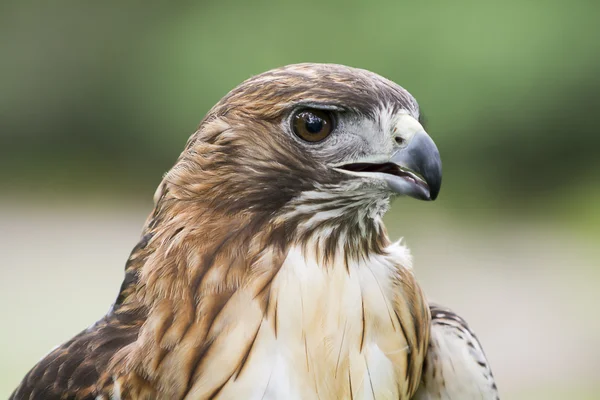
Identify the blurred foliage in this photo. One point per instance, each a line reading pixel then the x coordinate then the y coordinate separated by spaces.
pixel 98 96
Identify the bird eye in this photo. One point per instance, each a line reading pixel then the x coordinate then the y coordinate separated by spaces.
pixel 312 125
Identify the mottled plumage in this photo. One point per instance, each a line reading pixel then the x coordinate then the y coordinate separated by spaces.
pixel 456 366
pixel 264 270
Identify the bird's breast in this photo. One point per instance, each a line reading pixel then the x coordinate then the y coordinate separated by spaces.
pixel 330 332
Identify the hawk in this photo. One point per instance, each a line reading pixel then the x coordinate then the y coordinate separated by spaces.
pixel 265 271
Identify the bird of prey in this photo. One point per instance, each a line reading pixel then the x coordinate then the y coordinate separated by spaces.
pixel 265 271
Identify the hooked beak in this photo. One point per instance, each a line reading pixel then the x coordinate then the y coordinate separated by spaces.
pixel 414 170
pixel 421 158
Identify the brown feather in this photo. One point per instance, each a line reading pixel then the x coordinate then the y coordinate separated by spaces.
pixel 224 219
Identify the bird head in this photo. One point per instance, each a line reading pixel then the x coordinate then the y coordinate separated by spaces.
pixel 308 146
pixel 310 130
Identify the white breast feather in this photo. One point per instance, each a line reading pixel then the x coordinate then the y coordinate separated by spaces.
pixel 320 329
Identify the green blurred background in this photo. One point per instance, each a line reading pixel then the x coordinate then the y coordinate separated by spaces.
pixel 98 99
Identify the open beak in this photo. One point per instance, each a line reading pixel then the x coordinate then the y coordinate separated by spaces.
pixel 414 170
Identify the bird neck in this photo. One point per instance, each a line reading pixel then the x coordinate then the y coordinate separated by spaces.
pixel 184 238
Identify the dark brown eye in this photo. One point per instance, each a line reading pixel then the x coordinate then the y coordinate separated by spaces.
pixel 312 125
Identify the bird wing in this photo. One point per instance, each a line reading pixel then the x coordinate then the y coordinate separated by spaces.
pixel 75 369
pixel 456 366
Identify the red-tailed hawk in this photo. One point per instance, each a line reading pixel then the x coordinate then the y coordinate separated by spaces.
pixel 265 271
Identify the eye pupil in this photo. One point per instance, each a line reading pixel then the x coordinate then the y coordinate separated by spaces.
pixel 312 125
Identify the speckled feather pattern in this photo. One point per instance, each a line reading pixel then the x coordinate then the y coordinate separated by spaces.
pixel 456 366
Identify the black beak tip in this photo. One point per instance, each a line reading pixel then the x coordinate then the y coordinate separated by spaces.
pixel 433 196
pixel 435 184
pixel 434 189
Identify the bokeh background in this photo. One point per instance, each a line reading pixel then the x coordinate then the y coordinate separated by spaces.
pixel 97 100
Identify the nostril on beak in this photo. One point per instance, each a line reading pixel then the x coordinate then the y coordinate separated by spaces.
pixel 399 140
